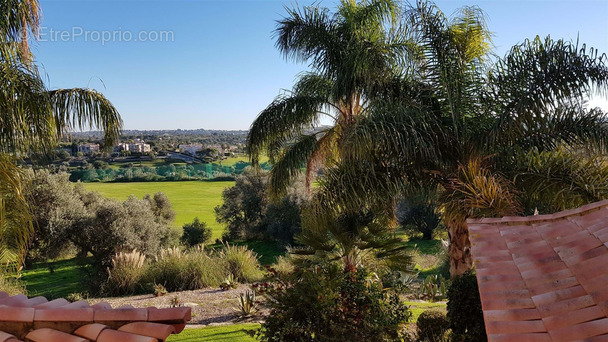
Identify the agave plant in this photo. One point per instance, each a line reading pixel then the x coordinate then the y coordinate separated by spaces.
pixel 433 288
pixel 247 304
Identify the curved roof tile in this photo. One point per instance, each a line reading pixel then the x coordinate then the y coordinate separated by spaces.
pixel 39 320
pixel 543 278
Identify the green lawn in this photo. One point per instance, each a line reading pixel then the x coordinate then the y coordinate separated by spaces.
pixel 233 160
pixel 224 333
pixel 189 199
pixel 65 279
pixel 419 307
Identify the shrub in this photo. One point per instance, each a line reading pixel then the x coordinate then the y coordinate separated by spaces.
pixel 432 325
pixel 464 309
pixel 126 273
pixel 75 297
pixel 241 263
pixel 12 286
pixel 178 271
pixel 326 304
pixel 196 233
pixel 283 266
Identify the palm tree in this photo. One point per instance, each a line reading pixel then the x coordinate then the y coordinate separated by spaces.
pixel 352 53
pixel 33 118
pixel 499 138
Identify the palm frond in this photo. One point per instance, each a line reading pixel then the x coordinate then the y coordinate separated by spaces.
pixel 84 108
pixel 538 76
pixel 476 191
pixel 20 17
pixel 285 118
pixel 16 223
pixel 25 123
pixel 291 163
pixel 560 179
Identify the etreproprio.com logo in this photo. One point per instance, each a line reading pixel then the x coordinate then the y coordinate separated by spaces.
pixel 48 34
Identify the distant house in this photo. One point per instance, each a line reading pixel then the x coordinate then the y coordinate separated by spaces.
pixel 190 148
pixel 88 148
pixel 137 146
pixel 121 147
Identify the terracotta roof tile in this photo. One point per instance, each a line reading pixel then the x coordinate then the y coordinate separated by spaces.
pixel 543 278
pixel 110 335
pixel 156 330
pixel 5 337
pixel 38 320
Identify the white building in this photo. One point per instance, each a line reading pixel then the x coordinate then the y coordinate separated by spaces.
pixel 139 147
pixel 190 148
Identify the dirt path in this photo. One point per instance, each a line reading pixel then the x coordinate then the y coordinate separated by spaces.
pixel 209 306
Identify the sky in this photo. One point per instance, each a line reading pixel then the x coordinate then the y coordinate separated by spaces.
pixel 170 64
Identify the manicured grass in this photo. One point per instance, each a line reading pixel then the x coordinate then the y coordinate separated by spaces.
pixel 189 199
pixel 223 333
pixel 419 307
pixel 425 246
pixel 65 279
pixel 234 160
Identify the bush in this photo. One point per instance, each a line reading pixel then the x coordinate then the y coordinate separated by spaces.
pixel 196 233
pixel 241 263
pixel 178 271
pixel 126 273
pixel 11 286
pixel 326 304
pixel 432 325
pixel 283 267
pixel 464 309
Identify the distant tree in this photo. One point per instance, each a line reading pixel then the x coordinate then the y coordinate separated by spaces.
pixel 196 233
pixel 244 207
pixel 100 164
pixel 250 213
pixel 161 207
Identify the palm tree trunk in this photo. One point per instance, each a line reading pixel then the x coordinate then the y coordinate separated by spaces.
pixel 461 259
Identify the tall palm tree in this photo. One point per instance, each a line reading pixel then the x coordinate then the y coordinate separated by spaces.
pixel 499 138
pixel 33 118
pixel 352 53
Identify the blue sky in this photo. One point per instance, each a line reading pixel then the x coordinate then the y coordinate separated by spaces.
pixel 216 66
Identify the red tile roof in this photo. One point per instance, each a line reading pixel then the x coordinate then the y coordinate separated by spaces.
pixel 39 320
pixel 543 278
